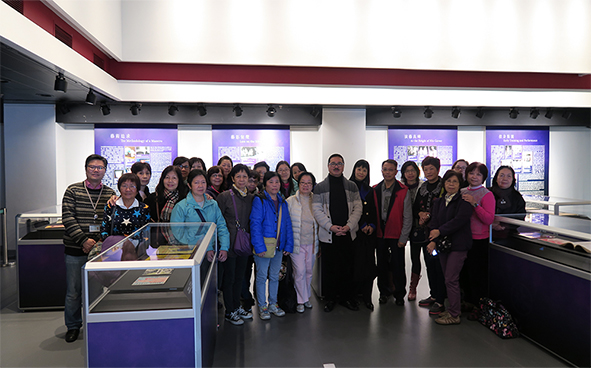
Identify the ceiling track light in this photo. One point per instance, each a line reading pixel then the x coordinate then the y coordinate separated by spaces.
pixel 534 113
pixel 135 108
pixel 105 109
pixel 396 112
pixel 480 113
pixel 237 110
pixel 201 109
pixel 271 111
pixel 566 114
pixel 428 112
pixel 90 98
pixel 172 110
pixel 549 113
pixel 60 83
pixel 455 112
pixel 513 113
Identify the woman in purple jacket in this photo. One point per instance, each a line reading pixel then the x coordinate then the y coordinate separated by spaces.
pixel 450 219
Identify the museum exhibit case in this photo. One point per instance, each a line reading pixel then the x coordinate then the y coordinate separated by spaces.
pixel 41 268
pixel 150 299
pixel 540 268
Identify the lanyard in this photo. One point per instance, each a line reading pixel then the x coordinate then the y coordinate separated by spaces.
pixel 97 200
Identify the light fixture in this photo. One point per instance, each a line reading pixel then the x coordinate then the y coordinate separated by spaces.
pixel 271 111
pixel 315 111
pixel 202 110
pixel 480 113
pixel 90 97
pixel 237 110
pixel 60 83
pixel 513 113
pixel 549 113
pixel 396 112
pixel 63 109
pixel 428 112
pixel 105 109
pixel 455 112
pixel 135 108
pixel 566 114
pixel 534 113
pixel 172 110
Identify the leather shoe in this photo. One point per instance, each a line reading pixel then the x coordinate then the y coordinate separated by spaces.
pixel 400 301
pixel 383 299
pixel 329 306
pixel 369 306
pixel 350 305
pixel 72 335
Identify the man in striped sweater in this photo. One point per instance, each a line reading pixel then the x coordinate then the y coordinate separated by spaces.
pixel 82 213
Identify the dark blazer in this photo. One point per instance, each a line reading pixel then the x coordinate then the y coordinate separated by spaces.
pixel 453 221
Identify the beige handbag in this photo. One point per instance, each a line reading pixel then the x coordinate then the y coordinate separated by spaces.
pixel 271 243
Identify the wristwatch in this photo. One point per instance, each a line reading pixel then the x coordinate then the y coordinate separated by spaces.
pixel 476 205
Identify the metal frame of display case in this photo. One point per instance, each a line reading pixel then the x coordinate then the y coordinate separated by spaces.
pixel 142 337
pixel 555 202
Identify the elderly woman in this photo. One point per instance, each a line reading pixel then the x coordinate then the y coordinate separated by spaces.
pixel 450 219
pixel 215 180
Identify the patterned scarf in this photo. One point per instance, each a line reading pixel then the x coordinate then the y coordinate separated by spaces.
pixel 171 199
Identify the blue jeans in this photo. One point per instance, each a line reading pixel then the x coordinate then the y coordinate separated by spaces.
pixel 73 306
pixel 267 267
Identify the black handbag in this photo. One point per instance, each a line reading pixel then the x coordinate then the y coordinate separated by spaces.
pixel 443 245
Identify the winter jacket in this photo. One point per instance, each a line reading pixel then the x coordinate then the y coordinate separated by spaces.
pixel 398 223
pixel 453 221
pixel 243 207
pixel 263 223
pixel 295 212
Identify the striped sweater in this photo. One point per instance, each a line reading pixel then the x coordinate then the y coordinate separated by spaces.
pixel 78 213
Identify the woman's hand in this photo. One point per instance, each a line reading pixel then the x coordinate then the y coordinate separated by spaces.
pixel 113 200
pixel 285 253
pixel 434 234
pixel 210 255
pixel 262 254
pixel 222 255
pixel 469 198
pixel 431 247
pixel 498 227
pixel 424 217
pixel 367 229
pixel 208 196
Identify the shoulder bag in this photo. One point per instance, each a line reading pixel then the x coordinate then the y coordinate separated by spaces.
pixel 242 246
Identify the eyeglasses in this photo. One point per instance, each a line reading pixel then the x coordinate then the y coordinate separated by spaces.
pixel 128 187
pixel 96 168
pixel 302 183
pixel 217 175
pixel 283 170
pixel 183 166
pixel 333 164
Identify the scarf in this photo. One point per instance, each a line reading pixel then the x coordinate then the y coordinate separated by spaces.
pixel 171 199
pixel 242 193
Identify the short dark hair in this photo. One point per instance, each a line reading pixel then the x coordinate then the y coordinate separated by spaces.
pixel 390 161
pixel 299 165
pixel 270 175
pixel 179 161
pixel 95 157
pixel 335 155
pixel 140 166
pixel 261 164
pixel 495 184
pixel 449 174
pixel 460 160
pixel 195 173
pixel 478 166
pixel 405 166
pixel 306 173
pixel 192 161
pixel 238 168
pixel 225 158
pixel 360 163
pixel 215 170
pixel 430 160
pixel 253 174
pixel 129 177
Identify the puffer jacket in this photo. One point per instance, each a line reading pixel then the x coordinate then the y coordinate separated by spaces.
pixel 295 212
pixel 263 223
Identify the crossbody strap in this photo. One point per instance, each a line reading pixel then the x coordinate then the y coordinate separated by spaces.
pixel 235 210
pixel 200 215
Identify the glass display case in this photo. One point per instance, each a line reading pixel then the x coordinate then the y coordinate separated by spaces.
pixel 540 268
pixel 575 207
pixel 150 299
pixel 41 269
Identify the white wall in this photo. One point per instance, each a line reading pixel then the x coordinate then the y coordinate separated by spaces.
pixel 74 143
pixel 196 141
pixel 306 147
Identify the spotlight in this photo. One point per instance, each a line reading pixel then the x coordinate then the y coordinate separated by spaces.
pixel 105 109
pixel 396 112
pixel 513 113
pixel 90 97
pixel 60 83
pixel 315 112
pixel 63 109
pixel 549 113
pixel 534 113
pixel 428 112
pixel 202 110
pixel 135 108
pixel 480 113
pixel 455 112
pixel 566 114
pixel 271 111
pixel 237 110
pixel 172 110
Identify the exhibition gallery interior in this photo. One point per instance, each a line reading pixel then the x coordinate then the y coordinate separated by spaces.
pixel 502 83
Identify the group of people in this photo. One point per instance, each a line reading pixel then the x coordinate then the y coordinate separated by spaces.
pixel 360 230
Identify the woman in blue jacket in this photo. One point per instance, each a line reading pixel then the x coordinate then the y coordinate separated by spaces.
pixel 197 208
pixel 267 207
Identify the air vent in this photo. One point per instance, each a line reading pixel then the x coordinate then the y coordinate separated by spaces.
pixel 63 36
pixel 15 4
pixel 98 61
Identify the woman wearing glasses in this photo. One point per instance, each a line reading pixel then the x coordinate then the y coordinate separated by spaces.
pixel 288 184
pixel 215 181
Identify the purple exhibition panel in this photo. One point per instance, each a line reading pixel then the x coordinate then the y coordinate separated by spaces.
pixel 123 146
pixel 526 151
pixel 249 145
pixel 409 144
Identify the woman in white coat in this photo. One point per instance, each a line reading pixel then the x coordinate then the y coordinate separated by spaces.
pixel 305 239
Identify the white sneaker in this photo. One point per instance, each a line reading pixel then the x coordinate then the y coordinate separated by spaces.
pixel 308 304
pixel 234 319
pixel 264 313
pixel 300 308
pixel 243 314
pixel 274 308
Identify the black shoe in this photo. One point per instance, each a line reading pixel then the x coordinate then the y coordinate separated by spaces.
pixel 329 306
pixel 383 299
pixel 400 301
pixel 350 305
pixel 72 335
pixel 369 306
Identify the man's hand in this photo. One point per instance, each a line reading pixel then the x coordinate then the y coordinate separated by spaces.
pixel 87 245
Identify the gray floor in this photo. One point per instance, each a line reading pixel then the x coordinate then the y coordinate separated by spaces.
pixel 390 336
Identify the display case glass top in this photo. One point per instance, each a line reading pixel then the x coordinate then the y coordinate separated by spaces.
pixel 43 224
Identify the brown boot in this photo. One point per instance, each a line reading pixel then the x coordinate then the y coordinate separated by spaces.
pixel 412 291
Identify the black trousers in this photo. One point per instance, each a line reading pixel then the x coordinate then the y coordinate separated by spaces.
pixel 338 268
pixel 391 261
pixel 364 265
pixel 234 269
pixel 474 275
pixel 435 276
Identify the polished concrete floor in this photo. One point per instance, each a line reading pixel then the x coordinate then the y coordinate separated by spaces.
pixel 391 336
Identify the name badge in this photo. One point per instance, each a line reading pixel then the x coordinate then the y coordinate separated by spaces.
pixel 94 228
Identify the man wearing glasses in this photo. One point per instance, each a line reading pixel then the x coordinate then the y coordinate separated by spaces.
pixel 337 208
pixel 82 213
